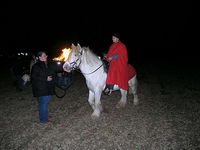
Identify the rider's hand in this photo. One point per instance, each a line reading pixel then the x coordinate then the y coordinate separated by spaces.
pixel 109 58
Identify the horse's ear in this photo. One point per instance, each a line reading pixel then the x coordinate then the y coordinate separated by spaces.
pixel 73 46
pixel 79 45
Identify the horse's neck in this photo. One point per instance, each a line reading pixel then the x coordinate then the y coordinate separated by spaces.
pixel 89 62
pixel 91 67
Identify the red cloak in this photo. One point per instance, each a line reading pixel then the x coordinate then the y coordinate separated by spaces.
pixel 119 70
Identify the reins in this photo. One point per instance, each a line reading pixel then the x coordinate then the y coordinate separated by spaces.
pixel 92 71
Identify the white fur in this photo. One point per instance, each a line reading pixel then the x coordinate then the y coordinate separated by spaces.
pixel 89 64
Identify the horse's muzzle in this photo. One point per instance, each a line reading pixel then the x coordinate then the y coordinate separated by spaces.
pixel 67 67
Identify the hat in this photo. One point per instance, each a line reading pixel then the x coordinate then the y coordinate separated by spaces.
pixel 116 35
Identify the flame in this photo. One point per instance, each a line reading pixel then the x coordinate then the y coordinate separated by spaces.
pixel 64 56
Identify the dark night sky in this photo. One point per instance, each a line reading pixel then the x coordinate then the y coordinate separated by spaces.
pixel 147 28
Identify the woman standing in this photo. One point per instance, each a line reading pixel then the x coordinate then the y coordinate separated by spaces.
pixel 43 84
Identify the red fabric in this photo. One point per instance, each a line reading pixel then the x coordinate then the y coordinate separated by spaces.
pixel 131 72
pixel 118 69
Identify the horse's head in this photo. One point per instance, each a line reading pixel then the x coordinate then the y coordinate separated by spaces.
pixel 74 58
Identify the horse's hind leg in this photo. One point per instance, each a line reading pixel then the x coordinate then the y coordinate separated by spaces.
pixel 123 100
pixel 133 89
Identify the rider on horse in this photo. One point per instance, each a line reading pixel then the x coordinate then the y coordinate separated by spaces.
pixel 119 69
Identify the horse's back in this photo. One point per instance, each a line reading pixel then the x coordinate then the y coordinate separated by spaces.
pixel 131 72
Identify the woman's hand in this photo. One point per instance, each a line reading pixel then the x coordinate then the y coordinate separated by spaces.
pixel 49 78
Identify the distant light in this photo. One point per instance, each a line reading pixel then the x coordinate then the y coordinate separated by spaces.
pixel 58 62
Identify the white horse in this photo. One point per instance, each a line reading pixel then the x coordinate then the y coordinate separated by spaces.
pixel 92 69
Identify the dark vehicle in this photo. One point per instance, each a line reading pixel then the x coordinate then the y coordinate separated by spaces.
pixel 63 79
pixel 20 67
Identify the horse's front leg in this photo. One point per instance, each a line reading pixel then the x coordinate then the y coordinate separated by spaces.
pixel 98 106
pixel 91 99
pixel 123 100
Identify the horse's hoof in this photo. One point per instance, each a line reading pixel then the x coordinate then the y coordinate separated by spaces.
pixel 135 102
pixel 95 115
pixel 120 105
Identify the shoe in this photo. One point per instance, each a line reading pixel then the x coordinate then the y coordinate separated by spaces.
pixel 110 91
pixel 107 91
pixel 47 122
pixel 19 89
pixel 104 92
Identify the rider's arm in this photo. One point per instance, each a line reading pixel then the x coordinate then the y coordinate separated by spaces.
pixel 113 57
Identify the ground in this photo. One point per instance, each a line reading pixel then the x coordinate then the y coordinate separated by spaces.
pixel 166 118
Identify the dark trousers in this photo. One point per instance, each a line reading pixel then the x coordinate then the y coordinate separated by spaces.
pixel 20 83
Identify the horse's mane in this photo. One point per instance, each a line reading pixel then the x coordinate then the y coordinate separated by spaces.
pixel 90 57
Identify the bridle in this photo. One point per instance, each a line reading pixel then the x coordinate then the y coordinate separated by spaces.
pixel 74 65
